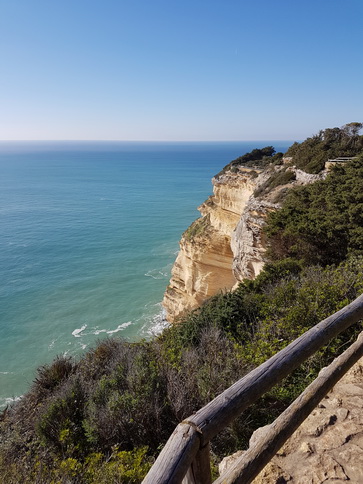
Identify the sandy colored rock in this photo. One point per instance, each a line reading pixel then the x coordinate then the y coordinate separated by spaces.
pixel 248 242
pixel 226 245
pixel 204 264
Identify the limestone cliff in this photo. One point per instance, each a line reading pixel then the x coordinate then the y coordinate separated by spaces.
pixel 226 245
pixel 204 263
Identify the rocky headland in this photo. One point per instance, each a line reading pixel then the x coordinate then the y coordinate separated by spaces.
pixel 226 244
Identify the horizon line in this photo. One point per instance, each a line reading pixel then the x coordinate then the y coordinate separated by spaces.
pixel 138 140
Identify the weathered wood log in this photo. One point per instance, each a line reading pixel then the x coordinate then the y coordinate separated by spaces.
pixel 176 457
pixel 199 472
pixel 179 452
pixel 250 464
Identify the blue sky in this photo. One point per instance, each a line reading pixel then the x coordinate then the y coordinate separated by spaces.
pixel 179 70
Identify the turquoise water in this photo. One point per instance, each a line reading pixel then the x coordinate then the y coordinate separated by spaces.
pixel 89 232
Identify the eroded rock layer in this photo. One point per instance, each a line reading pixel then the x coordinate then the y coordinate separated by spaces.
pixel 227 244
pixel 204 264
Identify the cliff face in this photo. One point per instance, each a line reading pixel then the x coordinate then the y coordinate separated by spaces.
pixel 225 245
pixel 204 264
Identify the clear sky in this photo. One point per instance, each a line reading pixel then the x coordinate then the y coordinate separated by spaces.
pixel 179 70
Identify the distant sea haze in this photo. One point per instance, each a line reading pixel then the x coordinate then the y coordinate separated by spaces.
pixel 89 233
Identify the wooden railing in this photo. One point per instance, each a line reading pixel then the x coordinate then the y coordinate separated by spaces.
pixel 342 159
pixel 185 457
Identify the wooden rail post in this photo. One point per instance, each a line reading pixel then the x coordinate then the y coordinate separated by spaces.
pixel 176 457
pixel 199 472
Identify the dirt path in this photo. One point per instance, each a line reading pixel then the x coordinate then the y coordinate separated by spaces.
pixel 328 447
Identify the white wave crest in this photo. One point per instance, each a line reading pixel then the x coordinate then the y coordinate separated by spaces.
pixel 120 327
pixel 77 332
pixel 98 331
pixel 156 274
pixel 157 324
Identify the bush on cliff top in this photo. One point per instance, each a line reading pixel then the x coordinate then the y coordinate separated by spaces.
pixel 257 158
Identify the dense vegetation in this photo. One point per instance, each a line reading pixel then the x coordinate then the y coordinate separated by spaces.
pixel 257 158
pixel 321 223
pixel 311 154
pixel 279 177
pixel 104 417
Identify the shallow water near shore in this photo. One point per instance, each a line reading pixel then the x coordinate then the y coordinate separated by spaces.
pixel 89 233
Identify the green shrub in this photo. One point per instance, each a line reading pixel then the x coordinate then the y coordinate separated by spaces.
pixel 60 423
pixel 197 228
pixel 259 157
pixel 321 223
pixel 282 177
pixel 50 376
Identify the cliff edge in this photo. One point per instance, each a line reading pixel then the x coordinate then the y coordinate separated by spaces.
pixel 226 244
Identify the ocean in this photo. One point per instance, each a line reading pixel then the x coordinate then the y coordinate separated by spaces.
pixel 89 233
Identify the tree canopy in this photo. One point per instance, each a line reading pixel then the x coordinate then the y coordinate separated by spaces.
pixel 311 154
pixel 259 157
